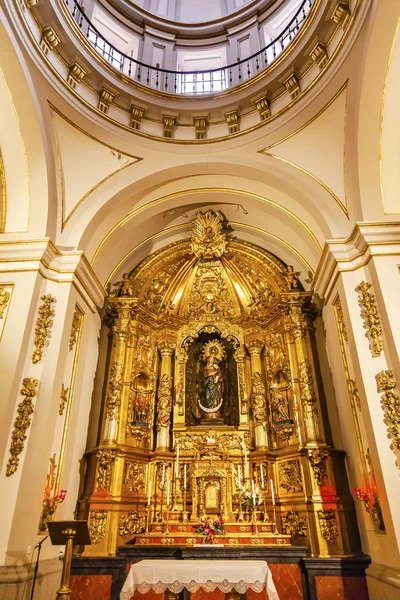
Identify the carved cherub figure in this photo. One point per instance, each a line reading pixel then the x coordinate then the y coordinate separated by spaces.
pixel 126 285
pixel 292 277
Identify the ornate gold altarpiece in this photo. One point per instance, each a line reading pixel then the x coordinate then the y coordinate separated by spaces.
pixel 212 357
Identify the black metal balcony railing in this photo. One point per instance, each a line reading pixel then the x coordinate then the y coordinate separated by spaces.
pixel 188 82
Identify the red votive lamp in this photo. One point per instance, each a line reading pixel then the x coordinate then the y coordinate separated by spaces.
pixel 62 494
pixel 358 493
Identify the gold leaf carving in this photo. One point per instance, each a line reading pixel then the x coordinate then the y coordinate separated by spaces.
pixel 43 326
pixel 98 524
pixel 210 297
pixel 257 398
pixel 131 524
pixel 328 525
pixel 164 404
pixel 115 385
pixel 317 458
pixel 370 316
pixel 208 240
pixel 76 322
pixel 390 404
pixel 294 524
pixel 4 300
pixel 134 476
pixel 289 476
pixel 21 423
pixel 105 461
pixel 63 399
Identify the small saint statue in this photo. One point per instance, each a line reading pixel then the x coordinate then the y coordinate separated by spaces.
pixel 126 285
pixel 279 406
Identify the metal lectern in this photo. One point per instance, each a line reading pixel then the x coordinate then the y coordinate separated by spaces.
pixel 68 533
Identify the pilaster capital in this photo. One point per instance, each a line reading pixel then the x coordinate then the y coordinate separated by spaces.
pixel 255 347
pixel 166 348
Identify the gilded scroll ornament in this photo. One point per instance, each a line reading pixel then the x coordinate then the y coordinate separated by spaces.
pixel 22 423
pixel 98 524
pixel 221 441
pixel 354 393
pixel 43 326
pixel 131 524
pixel 370 316
pixel 210 297
pixel 328 525
pixel 115 385
pixel 257 398
pixel 317 458
pixel 63 399
pixel 275 351
pixel 390 404
pixel 134 476
pixel 105 463
pixel 306 383
pixel 138 435
pixel 208 240
pixel 4 300
pixel 283 434
pixel 76 323
pixel 340 320
pixel 50 501
pixel 294 524
pixel 164 404
pixel 289 476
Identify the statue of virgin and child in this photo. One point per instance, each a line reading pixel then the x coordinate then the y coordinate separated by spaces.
pixel 210 401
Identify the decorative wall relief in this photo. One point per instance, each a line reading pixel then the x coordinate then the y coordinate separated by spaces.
pixel 354 393
pixel 22 423
pixel 370 316
pixel 328 525
pixel 105 463
pixel 43 325
pixel 97 525
pixel 134 476
pixel 289 476
pixel 76 323
pixel 63 399
pixel 208 240
pixel 317 458
pixel 390 404
pixel 294 524
pixel 139 435
pixel 307 394
pixel 131 524
pixel 164 404
pixel 275 351
pixel 5 296
pixel 115 385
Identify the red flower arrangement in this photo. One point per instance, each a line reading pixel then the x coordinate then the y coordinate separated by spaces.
pixel 210 529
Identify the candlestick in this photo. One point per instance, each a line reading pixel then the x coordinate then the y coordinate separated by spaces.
pixel 253 492
pixel 163 475
pixel 177 460
pixel 184 476
pixel 239 476
pixel 169 491
pixel 148 493
pixel 262 476
pixel 272 492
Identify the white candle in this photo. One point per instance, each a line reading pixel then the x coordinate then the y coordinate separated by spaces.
pixel 239 476
pixel 262 476
pixel 163 475
pixel 148 493
pixel 246 466
pixel 253 492
pixel 184 476
pixel 272 492
pixel 168 490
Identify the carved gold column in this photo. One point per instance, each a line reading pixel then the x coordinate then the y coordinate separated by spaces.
pixel 116 376
pixel 180 383
pixel 164 397
pixel 302 364
pixel 258 400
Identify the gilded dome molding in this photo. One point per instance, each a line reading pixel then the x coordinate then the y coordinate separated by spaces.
pixel 310 75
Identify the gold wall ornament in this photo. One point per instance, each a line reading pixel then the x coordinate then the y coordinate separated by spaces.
pixel 208 240
pixel 294 524
pixel 289 476
pixel 131 524
pixel 164 403
pixel 354 393
pixel 63 399
pixel 306 384
pixel 115 385
pixel 275 351
pixel 105 463
pixel 221 441
pixel 97 525
pixel 340 320
pixel 139 435
pixel 257 398
pixel 22 423
pixel 283 433
pixel 210 297
pixel 76 323
pixel 390 404
pixel 43 326
pixel 370 316
pixel 50 500
pixel 317 458
pixel 4 300
pixel 134 476
pixel 328 525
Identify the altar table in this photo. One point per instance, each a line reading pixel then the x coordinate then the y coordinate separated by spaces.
pixel 194 575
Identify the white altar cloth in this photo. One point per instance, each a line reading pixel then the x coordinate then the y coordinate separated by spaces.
pixel 158 575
